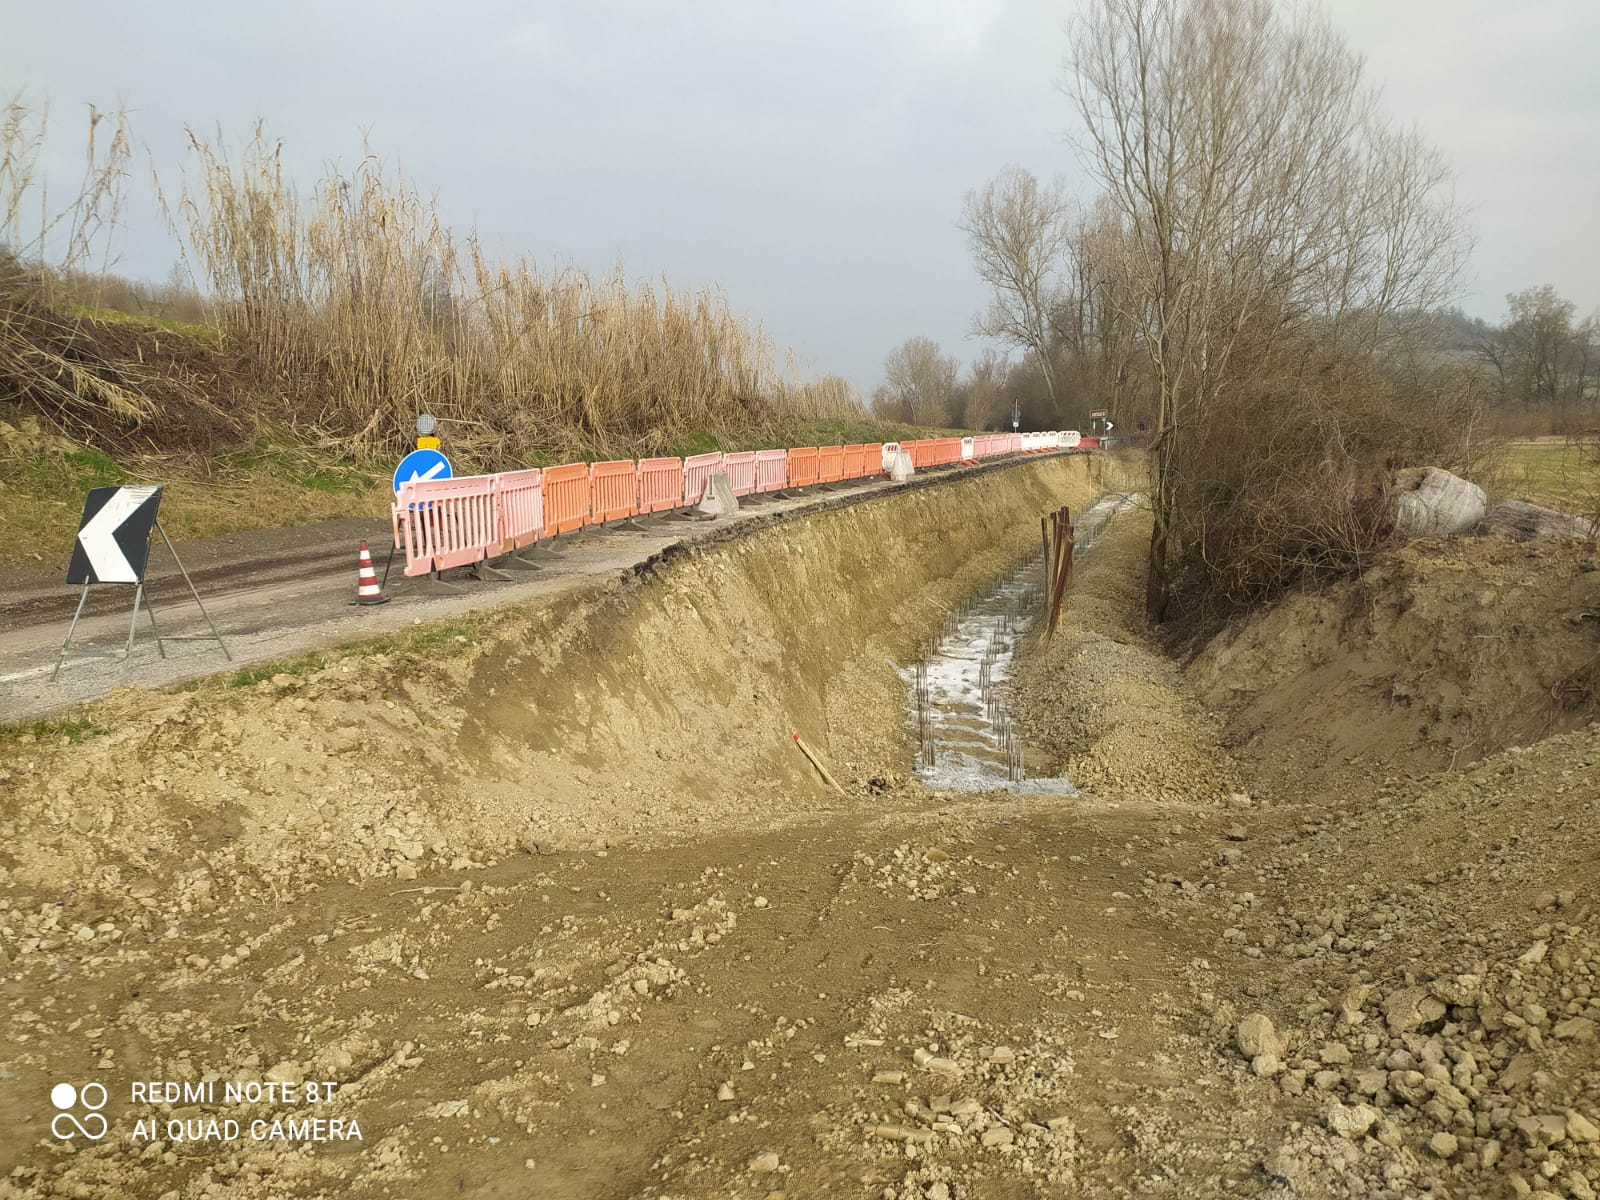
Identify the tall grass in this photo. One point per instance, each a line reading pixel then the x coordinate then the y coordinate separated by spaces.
pixel 368 307
pixel 340 311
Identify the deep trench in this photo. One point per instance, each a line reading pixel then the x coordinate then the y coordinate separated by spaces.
pixel 965 740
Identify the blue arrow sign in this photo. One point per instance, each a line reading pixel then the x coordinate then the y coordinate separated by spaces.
pixel 421 465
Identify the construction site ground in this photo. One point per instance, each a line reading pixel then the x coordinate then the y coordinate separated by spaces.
pixel 562 911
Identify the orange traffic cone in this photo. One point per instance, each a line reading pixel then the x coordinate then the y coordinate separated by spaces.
pixel 367 590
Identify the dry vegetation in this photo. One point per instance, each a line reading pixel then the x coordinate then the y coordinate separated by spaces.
pixel 330 318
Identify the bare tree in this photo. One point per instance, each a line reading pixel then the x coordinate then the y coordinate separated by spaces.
pixel 919 383
pixel 1260 194
pixel 983 392
pixel 1019 233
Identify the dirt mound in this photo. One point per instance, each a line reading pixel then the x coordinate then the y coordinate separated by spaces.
pixel 1101 704
pixel 1440 653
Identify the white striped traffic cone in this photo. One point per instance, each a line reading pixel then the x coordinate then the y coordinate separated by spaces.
pixel 367 590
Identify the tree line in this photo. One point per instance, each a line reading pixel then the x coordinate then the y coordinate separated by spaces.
pixel 1262 279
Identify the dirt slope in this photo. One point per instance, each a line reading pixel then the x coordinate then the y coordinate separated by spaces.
pixel 1441 653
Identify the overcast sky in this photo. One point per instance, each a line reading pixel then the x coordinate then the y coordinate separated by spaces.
pixel 808 157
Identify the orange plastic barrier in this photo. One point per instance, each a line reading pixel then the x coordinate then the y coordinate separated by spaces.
pixel 830 464
pixel 697 469
pixel 446 522
pixel 803 466
pixel 741 469
pixel 613 491
pixel 566 498
pixel 519 497
pixel 660 484
pixel 872 459
pixel 855 461
pixel 772 470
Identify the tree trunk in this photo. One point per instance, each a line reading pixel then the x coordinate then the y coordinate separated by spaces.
pixel 1157 583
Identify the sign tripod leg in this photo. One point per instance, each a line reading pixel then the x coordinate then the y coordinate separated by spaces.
pixel 133 625
pixel 173 550
pixel 71 629
pixel 150 607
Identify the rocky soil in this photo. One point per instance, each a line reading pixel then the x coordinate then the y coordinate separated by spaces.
pixel 1238 965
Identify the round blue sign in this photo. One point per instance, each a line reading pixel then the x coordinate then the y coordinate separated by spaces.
pixel 421 465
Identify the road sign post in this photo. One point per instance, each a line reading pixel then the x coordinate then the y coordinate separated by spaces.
pixel 113 547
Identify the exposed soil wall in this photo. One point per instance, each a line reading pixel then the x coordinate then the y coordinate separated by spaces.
pixel 658 705
pixel 1441 653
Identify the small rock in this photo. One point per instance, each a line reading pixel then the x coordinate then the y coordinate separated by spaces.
pixel 1350 1120
pixel 1444 1144
pixel 1411 1008
pixel 765 1164
pixel 889 1077
pixel 725 1092
pixel 1256 1036
pixel 1283 1164
pixel 998 1136
pixel 1575 1029
pixel 1580 1128
pixel 1544 1129
pixel 1266 1065
pixel 760 902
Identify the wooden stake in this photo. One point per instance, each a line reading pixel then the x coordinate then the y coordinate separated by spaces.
pixel 817 763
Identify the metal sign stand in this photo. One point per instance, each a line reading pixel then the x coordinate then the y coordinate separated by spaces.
pixel 133 626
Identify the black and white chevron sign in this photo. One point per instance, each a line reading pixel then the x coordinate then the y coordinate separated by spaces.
pixel 114 535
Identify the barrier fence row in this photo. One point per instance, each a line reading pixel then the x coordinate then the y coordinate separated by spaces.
pixel 443 523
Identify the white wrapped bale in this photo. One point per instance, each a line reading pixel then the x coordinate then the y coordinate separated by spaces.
pixel 1431 502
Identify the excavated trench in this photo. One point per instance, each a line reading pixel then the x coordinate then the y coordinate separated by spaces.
pixel 965 739
pixel 646 708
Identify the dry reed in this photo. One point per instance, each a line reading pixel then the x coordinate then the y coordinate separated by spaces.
pixel 369 308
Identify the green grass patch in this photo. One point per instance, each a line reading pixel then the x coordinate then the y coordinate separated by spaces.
pixel 261 672
pixel 426 639
pixel 1559 474
pixel 434 638
pixel 293 465
pixel 69 729
pixel 205 335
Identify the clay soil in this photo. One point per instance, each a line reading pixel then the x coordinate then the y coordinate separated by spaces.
pixel 571 917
